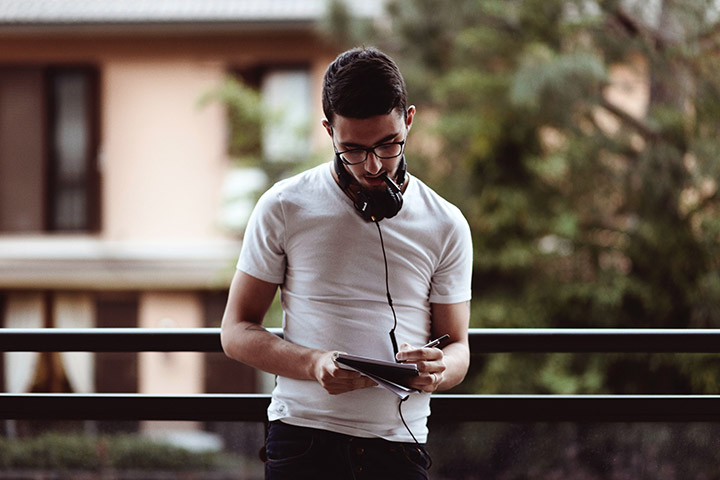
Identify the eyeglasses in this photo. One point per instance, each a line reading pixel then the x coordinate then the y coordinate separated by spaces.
pixel 359 155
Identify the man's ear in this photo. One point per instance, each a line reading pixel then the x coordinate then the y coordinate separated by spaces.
pixel 410 115
pixel 328 127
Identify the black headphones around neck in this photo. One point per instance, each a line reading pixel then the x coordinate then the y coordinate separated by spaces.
pixel 374 205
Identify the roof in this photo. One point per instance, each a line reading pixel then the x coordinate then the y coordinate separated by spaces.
pixel 73 13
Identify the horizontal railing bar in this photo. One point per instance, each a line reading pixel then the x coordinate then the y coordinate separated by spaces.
pixel 445 408
pixel 578 340
pixel 134 406
pixel 490 340
pixel 576 408
pixel 110 340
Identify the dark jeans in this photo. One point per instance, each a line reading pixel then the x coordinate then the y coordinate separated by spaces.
pixel 299 453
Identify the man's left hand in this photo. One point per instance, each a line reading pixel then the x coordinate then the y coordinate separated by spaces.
pixel 430 363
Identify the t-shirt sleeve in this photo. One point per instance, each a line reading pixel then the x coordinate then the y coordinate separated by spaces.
pixel 451 282
pixel 263 250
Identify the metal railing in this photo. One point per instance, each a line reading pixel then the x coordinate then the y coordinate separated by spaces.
pixel 445 407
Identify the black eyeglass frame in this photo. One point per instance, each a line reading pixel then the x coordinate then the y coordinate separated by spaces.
pixel 368 150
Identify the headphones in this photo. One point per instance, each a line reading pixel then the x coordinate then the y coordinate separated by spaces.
pixel 374 205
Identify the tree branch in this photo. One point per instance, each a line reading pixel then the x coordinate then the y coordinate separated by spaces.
pixel 644 129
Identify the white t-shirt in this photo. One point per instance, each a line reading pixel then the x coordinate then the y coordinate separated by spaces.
pixel 305 235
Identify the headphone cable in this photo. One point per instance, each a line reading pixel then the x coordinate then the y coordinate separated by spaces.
pixel 393 339
pixel 394 343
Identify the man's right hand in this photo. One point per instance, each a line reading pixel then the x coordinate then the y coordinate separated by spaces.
pixel 336 380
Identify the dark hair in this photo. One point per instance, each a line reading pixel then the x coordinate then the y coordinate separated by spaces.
pixel 361 83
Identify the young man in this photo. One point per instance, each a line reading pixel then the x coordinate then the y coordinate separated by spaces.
pixel 367 257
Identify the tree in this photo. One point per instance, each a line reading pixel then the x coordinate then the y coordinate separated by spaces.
pixel 579 138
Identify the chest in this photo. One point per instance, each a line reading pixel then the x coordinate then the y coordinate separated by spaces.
pixel 340 254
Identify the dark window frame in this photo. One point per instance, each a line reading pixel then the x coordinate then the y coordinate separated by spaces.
pixel 91 185
pixel 92 188
pixel 253 74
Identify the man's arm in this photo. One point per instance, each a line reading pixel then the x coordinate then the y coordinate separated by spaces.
pixel 443 369
pixel 245 340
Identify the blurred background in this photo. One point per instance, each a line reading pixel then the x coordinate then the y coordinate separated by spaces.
pixel 580 138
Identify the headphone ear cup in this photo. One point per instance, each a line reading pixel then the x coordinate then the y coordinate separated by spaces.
pixel 392 203
pixel 402 171
pixel 344 178
pixel 374 205
pixel 365 206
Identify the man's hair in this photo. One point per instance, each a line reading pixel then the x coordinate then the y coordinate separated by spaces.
pixel 361 83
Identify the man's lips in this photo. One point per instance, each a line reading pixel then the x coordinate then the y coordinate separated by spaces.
pixel 374 180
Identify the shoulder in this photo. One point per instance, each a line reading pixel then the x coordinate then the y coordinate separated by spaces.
pixel 300 186
pixel 309 196
pixel 300 183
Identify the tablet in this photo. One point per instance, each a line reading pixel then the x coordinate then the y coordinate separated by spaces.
pixel 391 371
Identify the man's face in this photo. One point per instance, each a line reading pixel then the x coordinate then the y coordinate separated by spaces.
pixel 351 133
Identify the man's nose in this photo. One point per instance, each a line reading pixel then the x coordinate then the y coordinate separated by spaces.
pixel 373 164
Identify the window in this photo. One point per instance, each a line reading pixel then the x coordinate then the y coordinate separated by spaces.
pixel 83 372
pixel 286 94
pixel 49 179
pixel 286 97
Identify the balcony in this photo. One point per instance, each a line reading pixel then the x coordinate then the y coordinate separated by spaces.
pixel 472 436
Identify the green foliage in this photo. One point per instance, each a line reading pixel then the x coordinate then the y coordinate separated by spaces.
pixel 548 80
pixel 580 140
pixel 341 28
pixel 245 117
pixel 576 451
pixel 144 454
pixel 49 451
pixel 249 122
pixel 61 452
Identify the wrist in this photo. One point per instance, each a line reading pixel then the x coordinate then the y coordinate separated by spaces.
pixel 315 364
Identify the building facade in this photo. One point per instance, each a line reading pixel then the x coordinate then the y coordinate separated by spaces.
pixel 113 174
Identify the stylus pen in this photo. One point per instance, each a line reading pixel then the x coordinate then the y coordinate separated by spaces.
pixel 436 342
pixel 432 344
